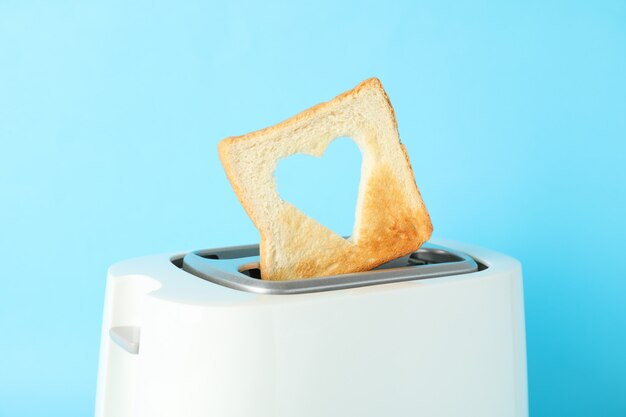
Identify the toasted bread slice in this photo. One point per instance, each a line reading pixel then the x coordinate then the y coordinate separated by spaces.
pixel 391 219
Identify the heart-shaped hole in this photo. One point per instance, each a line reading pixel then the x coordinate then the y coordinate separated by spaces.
pixel 326 188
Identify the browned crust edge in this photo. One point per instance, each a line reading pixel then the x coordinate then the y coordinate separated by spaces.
pixel 311 111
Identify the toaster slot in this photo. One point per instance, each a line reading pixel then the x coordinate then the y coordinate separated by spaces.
pixel 238 268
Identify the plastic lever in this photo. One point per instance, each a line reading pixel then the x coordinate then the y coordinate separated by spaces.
pixel 126 337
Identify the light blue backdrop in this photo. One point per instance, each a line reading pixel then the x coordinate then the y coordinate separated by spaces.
pixel 513 113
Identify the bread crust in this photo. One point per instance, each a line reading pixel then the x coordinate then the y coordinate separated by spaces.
pixel 311 111
pixel 392 218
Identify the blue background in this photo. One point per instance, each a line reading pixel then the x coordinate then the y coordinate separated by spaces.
pixel 513 113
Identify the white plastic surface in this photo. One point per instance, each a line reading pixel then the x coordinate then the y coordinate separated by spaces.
pixel 452 346
pixel 126 337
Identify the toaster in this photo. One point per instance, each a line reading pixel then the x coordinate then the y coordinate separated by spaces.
pixel 439 332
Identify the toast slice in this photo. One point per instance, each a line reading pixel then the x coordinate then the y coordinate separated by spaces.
pixel 391 219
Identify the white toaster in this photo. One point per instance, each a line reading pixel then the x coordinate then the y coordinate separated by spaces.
pixel 436 333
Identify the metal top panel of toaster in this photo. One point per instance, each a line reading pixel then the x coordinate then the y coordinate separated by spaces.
pixel 237 267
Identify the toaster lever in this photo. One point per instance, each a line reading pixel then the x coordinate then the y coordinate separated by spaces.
pixel 126 337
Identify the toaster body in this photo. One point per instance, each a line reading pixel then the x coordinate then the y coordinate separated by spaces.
pixel 188 339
